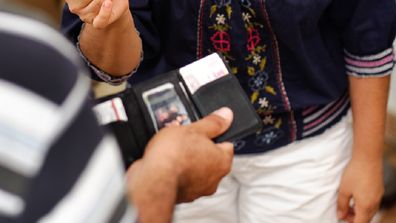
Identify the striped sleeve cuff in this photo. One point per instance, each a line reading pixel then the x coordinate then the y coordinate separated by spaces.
pixel 102 75
pixel 377 65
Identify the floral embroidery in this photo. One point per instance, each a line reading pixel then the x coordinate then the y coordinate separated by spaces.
pixel 220 4
pixel 269 136
pixel 268 120
pixel 251 54
pixel 259 81
pixel 263 102
pixel 221 41
pixel 256 59
pixel 220 18
pixel 253 40
pixel 246 17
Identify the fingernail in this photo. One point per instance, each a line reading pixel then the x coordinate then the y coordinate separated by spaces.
pixel 224 112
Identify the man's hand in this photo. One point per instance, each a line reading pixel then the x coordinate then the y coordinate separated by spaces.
pixel 180 164
pixel 362 181
pixel 99 13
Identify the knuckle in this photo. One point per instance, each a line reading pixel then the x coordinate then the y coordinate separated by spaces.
pixel 189 199
pixel 220 122
pixel 86 19
pixel 188 131
pixel 369 206
pixel 99 25
pixel 230 153
pixel 342 195
pixel 191 196
pixel 211 190
pixel 75 8
pixel 226 167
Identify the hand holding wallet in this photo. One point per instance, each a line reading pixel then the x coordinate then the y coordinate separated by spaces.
pixel 178 97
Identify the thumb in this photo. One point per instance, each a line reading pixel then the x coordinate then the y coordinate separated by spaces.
pixel 102 19
pixel 214 124
pixel 120 7
pixel 343 205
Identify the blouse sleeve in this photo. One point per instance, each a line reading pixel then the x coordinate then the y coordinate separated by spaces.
pixel 368 30
pixel 142 12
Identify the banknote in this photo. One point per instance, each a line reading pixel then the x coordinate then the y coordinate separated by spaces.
pixel 203 71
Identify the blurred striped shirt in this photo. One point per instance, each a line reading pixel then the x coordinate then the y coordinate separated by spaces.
pixel 56 164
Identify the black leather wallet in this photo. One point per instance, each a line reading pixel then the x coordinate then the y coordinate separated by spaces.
pixel 178 97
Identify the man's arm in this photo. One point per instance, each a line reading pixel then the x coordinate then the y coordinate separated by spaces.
pixel 180 164
pixel 109 39
pixel 363 178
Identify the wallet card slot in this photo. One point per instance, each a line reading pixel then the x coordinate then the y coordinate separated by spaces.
pixel 190 103
pixel 163 102
pixel 131 134
pixel 136 123
pixel 125 136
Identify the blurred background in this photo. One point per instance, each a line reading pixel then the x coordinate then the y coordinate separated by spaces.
pixel 387 214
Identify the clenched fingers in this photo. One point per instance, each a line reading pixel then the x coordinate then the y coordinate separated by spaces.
pixel 89 12
pixel 228 151
pixel 343 205
pixel 103 18
pixel 83 6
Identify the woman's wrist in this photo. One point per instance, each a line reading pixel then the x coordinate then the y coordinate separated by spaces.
pixel 113 53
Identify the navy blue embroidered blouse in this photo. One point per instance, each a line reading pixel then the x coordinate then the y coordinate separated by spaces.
pixel 291 56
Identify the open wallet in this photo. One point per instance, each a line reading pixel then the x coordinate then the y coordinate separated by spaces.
pixel 179 97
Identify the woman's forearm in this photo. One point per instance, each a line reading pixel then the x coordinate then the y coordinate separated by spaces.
pixel 369 99
pixel 115 49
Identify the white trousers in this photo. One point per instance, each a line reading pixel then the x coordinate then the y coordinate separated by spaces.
pixel 294 184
